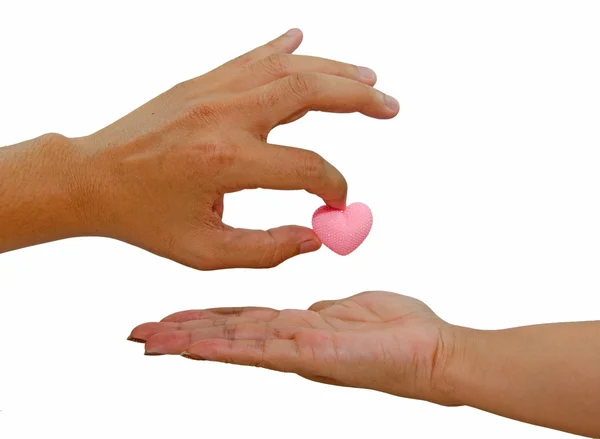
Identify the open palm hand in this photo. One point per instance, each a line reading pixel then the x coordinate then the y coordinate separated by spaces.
pixel 376 340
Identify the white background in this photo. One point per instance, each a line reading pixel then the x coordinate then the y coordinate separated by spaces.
pixel 484 191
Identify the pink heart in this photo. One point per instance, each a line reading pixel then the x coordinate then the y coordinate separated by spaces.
pixel 343 231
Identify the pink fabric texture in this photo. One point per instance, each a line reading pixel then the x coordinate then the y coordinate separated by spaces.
pixel 343 231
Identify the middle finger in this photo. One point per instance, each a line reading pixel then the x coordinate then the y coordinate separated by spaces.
pixel 279 65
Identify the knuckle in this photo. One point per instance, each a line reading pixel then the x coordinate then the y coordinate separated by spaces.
pixel 267 99
pixel 272 254
pixel 260 346
pixel 216 154
pixel 312 165
pixel 243 59
pixel 231 332
pixel 180 88
pixel 49 140
pixel 344 70
pixel 223 154
pixel 276 64
pixel 185 90
pixel 204 114
pixel 301 85
pixel 271 257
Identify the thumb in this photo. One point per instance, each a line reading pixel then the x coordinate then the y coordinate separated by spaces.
pixel 243 248
pixel 321 305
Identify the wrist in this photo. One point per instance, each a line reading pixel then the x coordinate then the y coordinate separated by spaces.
pixel 100 196
pixel 64 171
pixel 457 364
pixel 479 369
pixel 41 192
pixel 83 184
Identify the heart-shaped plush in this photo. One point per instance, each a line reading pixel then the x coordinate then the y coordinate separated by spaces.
pixel 343 231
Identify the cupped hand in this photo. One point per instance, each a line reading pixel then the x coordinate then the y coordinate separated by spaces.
pixel 157 177
pixel 375 340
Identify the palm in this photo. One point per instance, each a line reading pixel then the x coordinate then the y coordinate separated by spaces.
pixel 375 340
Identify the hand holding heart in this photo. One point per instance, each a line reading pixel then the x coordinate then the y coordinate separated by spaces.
pixel 157 177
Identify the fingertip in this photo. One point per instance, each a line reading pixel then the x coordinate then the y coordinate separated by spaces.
pixel 291 40
pixel 191 356
pixel 294 32
pixel 143 332
pixel 337 204
pixel 295 240
pixel 340 202
pixel 335 190
pixel 292 234
pixel 139 334
pixel 243 248
pixel 367 75
pixel 392 104
pixel 374 80
pixel 171 343
pixel 310 246
pixel 385 106
pixel 135 340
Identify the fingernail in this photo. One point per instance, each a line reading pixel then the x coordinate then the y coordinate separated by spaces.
pixel 366 73
pixel 137 340
pixel 391 103
pixel 309 246
pixel 293 32
pixel 153 354
pixel 191 356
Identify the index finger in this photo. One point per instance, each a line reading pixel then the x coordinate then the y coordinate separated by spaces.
pixel 269 166
pixel 286 43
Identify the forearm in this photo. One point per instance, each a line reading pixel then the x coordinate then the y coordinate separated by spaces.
pixel 41 195
pixel 547 375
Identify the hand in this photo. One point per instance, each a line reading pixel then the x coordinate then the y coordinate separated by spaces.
pixel 157 177
pixel 375 340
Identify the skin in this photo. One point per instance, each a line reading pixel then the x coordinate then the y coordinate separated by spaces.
pixel 546 375
pixel 157 177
